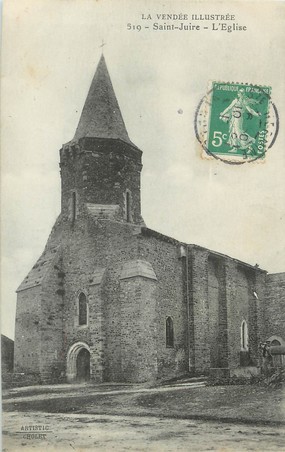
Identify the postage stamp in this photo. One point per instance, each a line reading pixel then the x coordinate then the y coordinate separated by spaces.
pixel 236 122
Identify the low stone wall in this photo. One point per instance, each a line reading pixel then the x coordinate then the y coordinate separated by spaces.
pixel 245 372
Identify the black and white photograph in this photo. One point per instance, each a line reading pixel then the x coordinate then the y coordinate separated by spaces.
pixel 142 225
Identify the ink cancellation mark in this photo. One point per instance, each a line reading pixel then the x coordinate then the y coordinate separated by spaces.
pixel 236 123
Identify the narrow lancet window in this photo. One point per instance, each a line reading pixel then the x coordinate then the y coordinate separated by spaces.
pixel 82 311
pixel 169 332
pixel 244 336
pixel 73 206
pixel 128 206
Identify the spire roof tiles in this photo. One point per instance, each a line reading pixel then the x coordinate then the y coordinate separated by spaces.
pixel 101 116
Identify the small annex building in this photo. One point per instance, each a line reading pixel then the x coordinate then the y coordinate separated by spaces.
pixel 112 300
pixel 7 355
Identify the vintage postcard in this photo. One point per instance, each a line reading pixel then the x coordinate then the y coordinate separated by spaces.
pixel 143 218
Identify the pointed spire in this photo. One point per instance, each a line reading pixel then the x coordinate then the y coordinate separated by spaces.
pixel 101 116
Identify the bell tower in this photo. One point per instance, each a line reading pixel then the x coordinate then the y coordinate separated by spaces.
pixel 100 166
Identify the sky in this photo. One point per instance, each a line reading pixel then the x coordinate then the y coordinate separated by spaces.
pixel 50 50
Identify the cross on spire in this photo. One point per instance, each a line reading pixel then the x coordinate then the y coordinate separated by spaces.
pixel 102 45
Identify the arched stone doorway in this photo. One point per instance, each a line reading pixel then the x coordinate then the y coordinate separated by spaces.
pixel 278 360
pixel 78 363
pixel 83 366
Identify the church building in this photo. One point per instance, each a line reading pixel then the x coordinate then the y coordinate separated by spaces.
pixel 110 300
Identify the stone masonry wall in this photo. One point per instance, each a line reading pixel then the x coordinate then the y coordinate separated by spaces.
pixel 238 309
pixel 138 323
pixel 213 315
pixel 200 309
pixel 89 245
pixel 222 296
pixel 218 332
pixel 100 172
pixel 257 297
pixel 242 282
pixel 163 254
pixel 7 356
pixel 52 368
pixel 27 355
pixel 275 306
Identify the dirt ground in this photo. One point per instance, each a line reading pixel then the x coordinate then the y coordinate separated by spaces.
pixel 106 417
pixel 248 404
pixel 130 433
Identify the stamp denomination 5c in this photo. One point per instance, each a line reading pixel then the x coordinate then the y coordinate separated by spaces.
pixel 236 122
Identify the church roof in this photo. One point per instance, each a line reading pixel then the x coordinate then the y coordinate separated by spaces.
pixel 137 267
pixel 97 276
pixel 102 211
pixel 101 116
pixel 36 276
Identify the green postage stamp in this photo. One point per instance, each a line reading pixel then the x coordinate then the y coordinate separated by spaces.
pixel 232 121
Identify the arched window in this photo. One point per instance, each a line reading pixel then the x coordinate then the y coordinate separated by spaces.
pixel 244 336
pixel 128 204
pixel 73 206
pixel 169 332
pixel 82 309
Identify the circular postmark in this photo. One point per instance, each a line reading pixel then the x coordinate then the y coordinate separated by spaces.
pixel 236 123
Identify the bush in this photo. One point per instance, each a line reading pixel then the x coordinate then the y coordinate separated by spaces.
pixel 277 379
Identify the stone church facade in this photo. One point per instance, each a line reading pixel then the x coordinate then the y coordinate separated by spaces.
pixel 112 300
